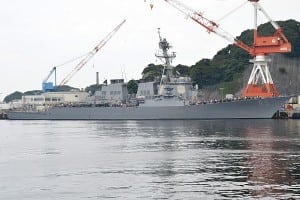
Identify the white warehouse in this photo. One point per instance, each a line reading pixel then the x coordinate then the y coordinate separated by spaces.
pixel 50 98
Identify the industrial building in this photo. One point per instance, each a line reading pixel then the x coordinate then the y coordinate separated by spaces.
pixel 52 98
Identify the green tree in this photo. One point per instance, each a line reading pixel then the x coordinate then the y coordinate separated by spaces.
pixel 64 88
pixel 204 73
pixel 93 88
pixel 183 70
pixel 152 72
pixel 13 96
pixel 33 92
pixel 132 86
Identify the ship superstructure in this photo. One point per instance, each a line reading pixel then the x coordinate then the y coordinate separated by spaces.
pixel 114 93
pixel 172 89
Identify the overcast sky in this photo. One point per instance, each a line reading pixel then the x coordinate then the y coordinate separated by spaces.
pixel 39 34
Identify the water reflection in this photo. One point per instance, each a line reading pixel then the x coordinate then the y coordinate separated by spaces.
pixel 237 158
pixel 207 159
pixel 269 160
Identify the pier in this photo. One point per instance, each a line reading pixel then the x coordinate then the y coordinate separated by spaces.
pixel 287 114
pixel 3 115
pixel 291 110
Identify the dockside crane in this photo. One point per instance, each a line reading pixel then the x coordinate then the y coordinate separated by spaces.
pixel 260 82
pixel 90 54
pixel 49 86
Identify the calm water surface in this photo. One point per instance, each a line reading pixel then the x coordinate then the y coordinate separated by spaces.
pixel 208 159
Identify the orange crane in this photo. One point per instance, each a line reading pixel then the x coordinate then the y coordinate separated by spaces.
pixel 91 54
pixel 260 82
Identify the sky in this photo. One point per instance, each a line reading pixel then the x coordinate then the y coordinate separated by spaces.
pixel 37 35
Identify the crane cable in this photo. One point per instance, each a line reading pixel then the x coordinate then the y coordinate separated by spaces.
pixel 90 54
pixel 232 11
pixel 62 64
pixel 72 60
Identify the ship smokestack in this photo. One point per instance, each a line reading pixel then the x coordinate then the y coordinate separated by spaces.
pixel 97 78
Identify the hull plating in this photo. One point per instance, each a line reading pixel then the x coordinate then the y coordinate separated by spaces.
pixel 244 109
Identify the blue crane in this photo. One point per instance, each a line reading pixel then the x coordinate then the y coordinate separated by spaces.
pixel 48 86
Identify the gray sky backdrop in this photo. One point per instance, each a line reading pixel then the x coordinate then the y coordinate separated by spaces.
pixel 39 34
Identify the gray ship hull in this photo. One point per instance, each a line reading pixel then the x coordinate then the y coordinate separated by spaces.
pixel 242 109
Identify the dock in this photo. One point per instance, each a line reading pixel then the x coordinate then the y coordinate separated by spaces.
pixel 287 114
pixel 3 115
pixel 291 110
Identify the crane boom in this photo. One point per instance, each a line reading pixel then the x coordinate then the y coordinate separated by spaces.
pixel 91 54
pixel 277 43
pixel 209 25
pixel 49 75
pixel 262 45
pixel 48 86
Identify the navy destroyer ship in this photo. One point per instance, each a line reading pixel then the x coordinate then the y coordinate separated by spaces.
pixel 172 98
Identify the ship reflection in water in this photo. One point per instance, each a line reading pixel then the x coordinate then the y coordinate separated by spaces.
pixel 271 162
pixel 152 159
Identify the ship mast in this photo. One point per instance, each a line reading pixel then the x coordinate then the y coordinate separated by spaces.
pixel 166 57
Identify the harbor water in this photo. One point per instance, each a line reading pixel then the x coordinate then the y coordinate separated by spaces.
pixel 192 159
